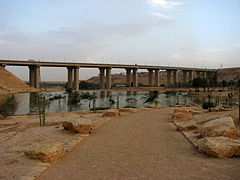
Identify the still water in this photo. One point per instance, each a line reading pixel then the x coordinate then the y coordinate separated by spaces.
pixel 27 102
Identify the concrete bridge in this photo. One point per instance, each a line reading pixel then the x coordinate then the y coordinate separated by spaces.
pixel 105 72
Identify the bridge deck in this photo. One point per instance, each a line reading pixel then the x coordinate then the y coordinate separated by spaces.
pixel 95 65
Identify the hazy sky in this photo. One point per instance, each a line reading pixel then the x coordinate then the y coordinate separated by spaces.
pixel 195 33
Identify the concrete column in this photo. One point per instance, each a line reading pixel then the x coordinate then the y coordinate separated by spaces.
pixel 37 77
pixel 102 79
pixel 31 76
pixel 135 78
pixel 128 76
pixel 70 77
pixel 108 78
pixel 204 74
pixel 175 77
pixel 197 74
pixel 184 76
pixel 76 78
pixel 210 75
pixel 156 77
pixel 34 76
pixel 169 72
pixel 150 77
pixel 190 75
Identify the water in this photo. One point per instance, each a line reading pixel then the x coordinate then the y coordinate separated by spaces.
pixel 27 102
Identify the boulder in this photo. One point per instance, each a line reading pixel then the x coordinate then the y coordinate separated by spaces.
pixel 111 113
pixel 186 125
pixel 183 110
pixel 219 146
pixel 217 109
pixel 219 127
pixel 46 152
pixel 155 106
pixel 77 127
pixel 127 110
pixel 180 116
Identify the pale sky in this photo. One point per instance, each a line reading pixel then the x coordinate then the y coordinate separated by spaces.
pixel 193 33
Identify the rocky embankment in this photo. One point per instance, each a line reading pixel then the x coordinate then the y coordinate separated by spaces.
pixel 213 133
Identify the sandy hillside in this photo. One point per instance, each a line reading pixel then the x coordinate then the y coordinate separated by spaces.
pixel 9 83
pixel 228 74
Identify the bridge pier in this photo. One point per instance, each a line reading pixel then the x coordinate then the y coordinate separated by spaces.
pixel 102 78
pixel 70 77
pixel 135 78
pixel 150 77
pixel 184 76
pixel 34 76
pixel 197 73
pixel 169 73
pixel 175 77
pixel 108 78
pixel 128 76
pixel 190 75
pixel 76 78
pixel 204 74
pixel 157 77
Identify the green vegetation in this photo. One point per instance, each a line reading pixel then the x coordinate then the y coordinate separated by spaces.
pixel 150 97
pixel 99 108
pixel 42 102
pixel 208 105
pixel 131 102
pixel 55 97
pixel 76 98
pixel 86 85
pixel 129 106
pixel 8 107
pixel 110 103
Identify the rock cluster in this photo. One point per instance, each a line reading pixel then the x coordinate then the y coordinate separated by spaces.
pixel 46 152
pixel 218 137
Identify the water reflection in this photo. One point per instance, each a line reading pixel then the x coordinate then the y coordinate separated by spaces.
pixel 28 101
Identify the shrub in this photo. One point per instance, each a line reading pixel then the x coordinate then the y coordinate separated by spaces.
pixel 207 105
pixel 8 107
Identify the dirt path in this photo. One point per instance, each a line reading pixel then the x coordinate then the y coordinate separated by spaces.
pixel 144 145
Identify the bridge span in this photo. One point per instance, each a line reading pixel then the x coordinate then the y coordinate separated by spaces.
pixel 105 72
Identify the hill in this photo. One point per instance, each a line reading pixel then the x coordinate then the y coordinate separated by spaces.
pixel 229 74
pixel 9 83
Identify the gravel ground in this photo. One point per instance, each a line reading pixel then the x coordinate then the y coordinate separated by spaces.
pixel 144 145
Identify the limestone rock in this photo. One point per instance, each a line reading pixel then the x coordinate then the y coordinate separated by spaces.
pixel 46 152
pixel 183 110
pixel 186 125
pixel 77 127
pixel 111 113
pixel 219 127
pixel 180 116
pixel 219 146
pixel 217 109
pixel 155 106
pixel 128 110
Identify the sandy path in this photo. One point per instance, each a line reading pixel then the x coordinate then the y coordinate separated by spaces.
pixel 144 145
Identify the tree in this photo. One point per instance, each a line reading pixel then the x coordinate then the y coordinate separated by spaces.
pixel 197 82
pixel 224 83
pixel 150 97
pixel 204 83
